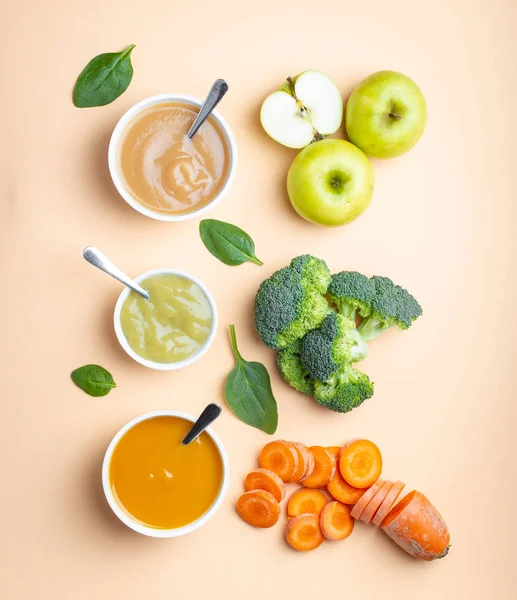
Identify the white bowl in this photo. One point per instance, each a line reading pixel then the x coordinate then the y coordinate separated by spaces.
pixel 113 161
pixel 151 531
pixel 156 365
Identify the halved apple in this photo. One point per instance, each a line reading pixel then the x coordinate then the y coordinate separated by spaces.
pixel 306 109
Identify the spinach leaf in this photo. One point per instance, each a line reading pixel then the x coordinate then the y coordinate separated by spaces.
pixel 104 79
pixel 230 244
pixel 248 392
pixel 94 380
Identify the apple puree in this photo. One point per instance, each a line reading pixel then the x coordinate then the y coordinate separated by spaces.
pixel 166 171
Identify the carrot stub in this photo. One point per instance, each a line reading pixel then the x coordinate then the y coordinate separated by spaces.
pixel 360 463
pixel 373 506
pixel 418 528
pixel 362 503
pixel 304 533
pixel 258 508
pixel 339 489
pixel 336 522
pixel 262 479
pixel 324 468
pixel 388 503
pixel 279 457
pixel 304 457
pixel 306 502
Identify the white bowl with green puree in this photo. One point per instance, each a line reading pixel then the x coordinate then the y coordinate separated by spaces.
pixel 172 329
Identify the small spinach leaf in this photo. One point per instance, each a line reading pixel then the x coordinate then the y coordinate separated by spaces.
pixel 104 79
pixel 94 380
pixel 227 242
pixel 248 392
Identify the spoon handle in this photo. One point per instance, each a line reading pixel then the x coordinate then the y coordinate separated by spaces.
pixel 217 91
pixel 210 414
pixel 97 259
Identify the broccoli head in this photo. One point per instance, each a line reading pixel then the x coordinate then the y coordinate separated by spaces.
pixel 391 305
pixel 345 390
pixel 352 293
pixel 291 302
pixel 294 373
pixel 334 342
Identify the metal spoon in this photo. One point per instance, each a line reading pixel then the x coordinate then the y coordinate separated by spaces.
pixel 209 415
pixel 97 259
pixel 217 91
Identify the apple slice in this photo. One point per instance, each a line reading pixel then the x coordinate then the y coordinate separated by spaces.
pixel 306 109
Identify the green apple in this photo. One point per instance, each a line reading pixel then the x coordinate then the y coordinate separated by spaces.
pixel 330 182
pixel 306 108
pixel 386 114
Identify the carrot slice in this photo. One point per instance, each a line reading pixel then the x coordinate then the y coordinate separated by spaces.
pixel 373 506
pixel 306 502
pixel 362 503
pixel 279 457
pixel 334 450
pixel 258 508
pixel 262 479
pixel 418 528
pixel 360 463
pixel 304 533
pixel 303 460
pixel 343 491
pixel 388 503
pixel 324 468
pixel 336 522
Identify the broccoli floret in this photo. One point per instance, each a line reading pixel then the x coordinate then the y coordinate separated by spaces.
pixel 391 305
pixel 334 342
pixel 345 390
pixel 291 302
pixel 294 373
pixel 352 293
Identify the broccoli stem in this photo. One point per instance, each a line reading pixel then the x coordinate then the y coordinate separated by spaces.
pixel 234 343
pixel 360 350
pixel 370 328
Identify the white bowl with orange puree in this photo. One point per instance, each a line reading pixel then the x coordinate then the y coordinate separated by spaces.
pixel 156 485
pixel 162 173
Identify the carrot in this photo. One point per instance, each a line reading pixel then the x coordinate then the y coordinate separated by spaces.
pixel 336 521
pixel 304 533
pixel 303 461
pixel 418 528
pixel 258 508
pixel 334 450
pixel 279 457
pixel 306 502
pixel 388 503
pixel 373 506
pixel 362 503
pixel 343 491
pixel 262 479
pixel 360 463
pixel 324 468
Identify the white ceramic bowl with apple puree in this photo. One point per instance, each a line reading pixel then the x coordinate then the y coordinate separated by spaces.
pixel 117 139
pixel 165 366
pixel 131 521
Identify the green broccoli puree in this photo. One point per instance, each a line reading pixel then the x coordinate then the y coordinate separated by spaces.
pixel 172 325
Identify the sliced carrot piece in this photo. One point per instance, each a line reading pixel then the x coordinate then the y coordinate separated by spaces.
pixel 343 491
pixel 310 465
pixel 306 502
pixel 336 522
pixel 362 503
pixel 303 459
pixel 360 463
pixel 388 503
pixel 304 533
pixel 258 508
pixel 373 506
pixel 334 450
pixel 262 479
pixel 324 468
pixel 418 528
pixel 280 457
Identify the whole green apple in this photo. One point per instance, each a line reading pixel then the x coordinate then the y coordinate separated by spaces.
pixel 330 182
pixel 386 114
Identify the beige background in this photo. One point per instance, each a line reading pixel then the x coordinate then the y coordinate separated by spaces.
pixel 442 223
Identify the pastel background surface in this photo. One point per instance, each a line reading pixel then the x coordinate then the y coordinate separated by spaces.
pixel 442 223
